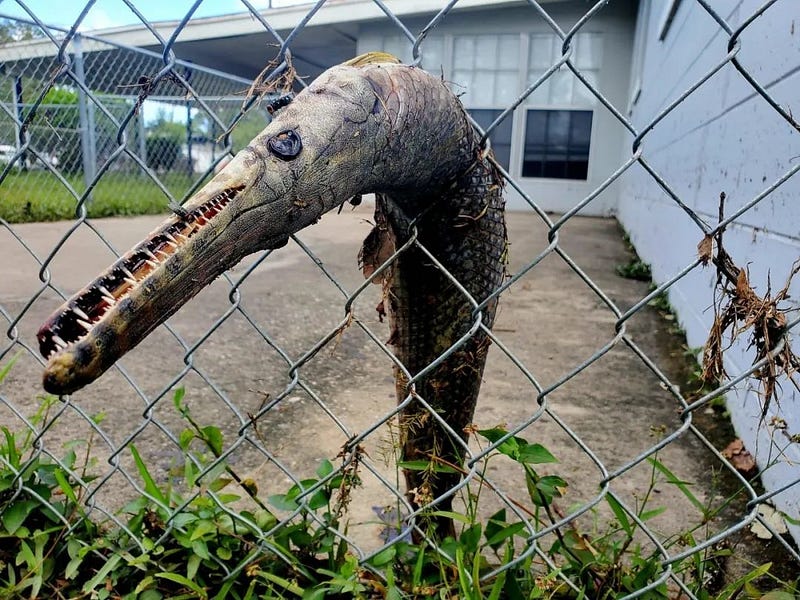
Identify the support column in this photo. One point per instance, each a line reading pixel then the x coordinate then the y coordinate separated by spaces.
pixel 19 134
pixel 189 160
pixel 85 118
pixel 142 137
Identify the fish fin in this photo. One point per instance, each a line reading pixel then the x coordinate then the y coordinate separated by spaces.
pixel 369 58
pixel 378 246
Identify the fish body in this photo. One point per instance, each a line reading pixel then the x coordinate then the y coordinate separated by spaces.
pixel 370 125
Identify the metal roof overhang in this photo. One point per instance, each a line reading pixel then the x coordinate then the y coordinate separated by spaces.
pixel 239 45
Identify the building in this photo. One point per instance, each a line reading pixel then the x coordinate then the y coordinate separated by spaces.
pixel 724 137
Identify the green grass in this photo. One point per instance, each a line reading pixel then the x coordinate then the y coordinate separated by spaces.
pixel 39 196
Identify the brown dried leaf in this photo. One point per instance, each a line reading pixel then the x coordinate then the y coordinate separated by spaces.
pixel 713 364
pixel 740 458
pixel 775 520
pixel 735 447
pixel 705 249
pixel 743 289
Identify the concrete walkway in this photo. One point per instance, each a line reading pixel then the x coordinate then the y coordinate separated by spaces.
pixel 550 319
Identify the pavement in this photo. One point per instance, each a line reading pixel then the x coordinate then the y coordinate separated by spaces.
pixel 551 320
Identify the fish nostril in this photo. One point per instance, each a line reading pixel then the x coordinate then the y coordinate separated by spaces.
pixel 286 145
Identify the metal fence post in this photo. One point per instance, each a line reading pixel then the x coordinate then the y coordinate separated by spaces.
pixel 189 161
pixel 142 137
pixel 86 118
pixel 19 134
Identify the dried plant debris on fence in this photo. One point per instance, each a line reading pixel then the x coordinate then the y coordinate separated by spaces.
pixel 147 86
pixel 740 311
pixel 275 79
pixel 278 77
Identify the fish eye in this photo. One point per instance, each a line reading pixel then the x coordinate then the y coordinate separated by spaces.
pixel 286 145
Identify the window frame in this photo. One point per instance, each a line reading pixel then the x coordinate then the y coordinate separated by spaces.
pixel 511 125
pixel 667 18
pixel 521 117
pixel 639 51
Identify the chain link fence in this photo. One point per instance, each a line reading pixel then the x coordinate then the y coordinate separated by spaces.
pixel 111 115
pixel 290 386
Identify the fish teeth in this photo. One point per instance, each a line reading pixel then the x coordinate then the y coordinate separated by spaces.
pixel 182 237
pixel 80 313
pixel 150 254
pixel 170 237
pixel 162 253
pixel 107 296
pixel 127 273
pixel 59 342
pixel 153 263
pixel 85 324
pixel 130 280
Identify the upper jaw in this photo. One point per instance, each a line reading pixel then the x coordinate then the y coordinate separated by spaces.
pixel 112 314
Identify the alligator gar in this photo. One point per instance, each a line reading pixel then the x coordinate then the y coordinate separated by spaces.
pixel 370 125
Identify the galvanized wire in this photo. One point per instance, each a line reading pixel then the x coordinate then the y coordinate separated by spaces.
pixel 107 123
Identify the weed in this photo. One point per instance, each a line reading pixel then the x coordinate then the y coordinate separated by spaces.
pixel 189 538
pixel 635 269
pixel 660 302
pixel 740 311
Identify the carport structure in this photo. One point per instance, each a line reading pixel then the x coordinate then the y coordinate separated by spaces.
pixel 119 73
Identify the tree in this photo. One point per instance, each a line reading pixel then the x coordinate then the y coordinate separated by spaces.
pixel 163 142
pixel 15 31
pixel 249 127
pixel 60 114
pixel 164 127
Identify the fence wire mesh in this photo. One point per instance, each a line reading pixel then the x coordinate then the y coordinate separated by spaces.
pixel 295 374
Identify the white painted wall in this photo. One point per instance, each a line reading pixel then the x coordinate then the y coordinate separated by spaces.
pixel 723 138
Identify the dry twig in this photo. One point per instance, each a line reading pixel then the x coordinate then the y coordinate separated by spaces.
pixel 739 310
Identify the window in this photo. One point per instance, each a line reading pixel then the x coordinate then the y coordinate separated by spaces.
pixel 500 136
pixel 485 69
pixel 432 50
pixel 557 144
pixel 488 71
pixel 563 87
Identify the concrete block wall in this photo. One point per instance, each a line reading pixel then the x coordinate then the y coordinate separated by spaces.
pixel 723 138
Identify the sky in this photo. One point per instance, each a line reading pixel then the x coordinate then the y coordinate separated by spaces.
pixel 112 13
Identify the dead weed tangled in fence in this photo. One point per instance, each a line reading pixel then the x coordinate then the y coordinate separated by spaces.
pixel 740 311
